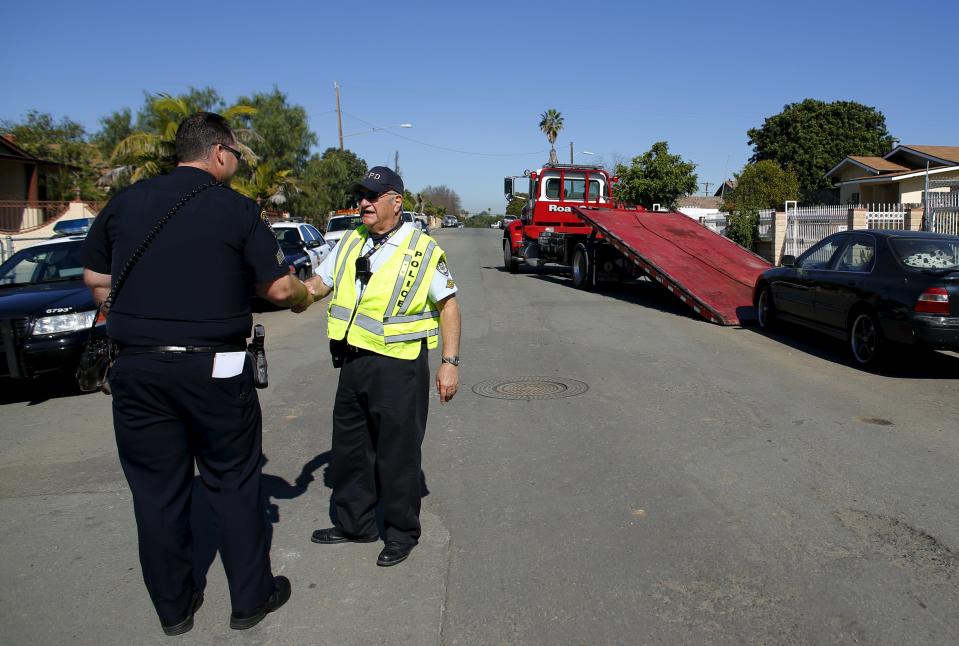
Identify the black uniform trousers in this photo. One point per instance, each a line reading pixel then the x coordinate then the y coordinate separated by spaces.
pixel 379 421
pixel 168 412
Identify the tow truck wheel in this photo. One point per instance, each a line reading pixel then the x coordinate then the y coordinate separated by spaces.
pixel 510 261
pixel 582 268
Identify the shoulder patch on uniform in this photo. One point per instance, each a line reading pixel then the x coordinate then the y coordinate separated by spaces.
pixel 280 258
pixel 266 219
pixel 442 268
pixel 450 284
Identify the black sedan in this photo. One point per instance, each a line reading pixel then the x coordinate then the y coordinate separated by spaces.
pixel 874 289
pixel 45 310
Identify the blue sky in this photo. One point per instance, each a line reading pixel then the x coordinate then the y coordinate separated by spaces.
pixel 475 77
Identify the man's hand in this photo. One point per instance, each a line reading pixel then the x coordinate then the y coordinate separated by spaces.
pixel 307 299
pixel 447 381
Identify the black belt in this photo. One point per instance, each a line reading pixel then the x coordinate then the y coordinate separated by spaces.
pixel 183 349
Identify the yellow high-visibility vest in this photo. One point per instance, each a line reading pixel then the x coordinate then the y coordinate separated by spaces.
pixel 393 314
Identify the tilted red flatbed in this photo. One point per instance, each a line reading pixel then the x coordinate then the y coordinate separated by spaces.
pixel 707 271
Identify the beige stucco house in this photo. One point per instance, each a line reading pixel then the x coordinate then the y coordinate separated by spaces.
pixel 897 178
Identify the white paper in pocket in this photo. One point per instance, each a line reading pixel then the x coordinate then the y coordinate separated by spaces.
pixel 228 364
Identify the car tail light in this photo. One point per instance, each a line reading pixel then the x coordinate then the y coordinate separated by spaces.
pixel 934 300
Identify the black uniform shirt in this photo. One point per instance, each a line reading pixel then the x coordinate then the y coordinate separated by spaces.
pixel 193 284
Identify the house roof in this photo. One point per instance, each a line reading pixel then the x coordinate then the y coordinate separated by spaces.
pixel 878 179
pixel 879 164
pixel 699 202
pixel 10 150
pixel 728 185
pixel 945 154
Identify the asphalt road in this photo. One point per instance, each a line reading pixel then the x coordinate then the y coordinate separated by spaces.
pixel 713 485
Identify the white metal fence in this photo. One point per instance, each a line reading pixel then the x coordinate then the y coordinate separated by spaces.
pixel 944 212
pixel 716 222
pixel 885 216
pixel 766 223
pixel 807 225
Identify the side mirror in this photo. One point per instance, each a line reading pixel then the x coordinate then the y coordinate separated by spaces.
pixel 313 244
pixel 788 261
pixel 508 187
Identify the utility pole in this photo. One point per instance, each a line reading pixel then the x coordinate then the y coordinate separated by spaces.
pixel 339 116
pixel 706 190
pixel 396 163
pixel 571 153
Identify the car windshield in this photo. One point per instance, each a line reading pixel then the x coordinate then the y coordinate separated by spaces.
pixel 927 253
pixel 288 238
pixel 43 264
pixel 344 224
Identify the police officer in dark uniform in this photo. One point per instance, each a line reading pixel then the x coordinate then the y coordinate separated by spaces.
pixel 183 389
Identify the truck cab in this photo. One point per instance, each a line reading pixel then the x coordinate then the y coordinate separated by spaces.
pixel 548 230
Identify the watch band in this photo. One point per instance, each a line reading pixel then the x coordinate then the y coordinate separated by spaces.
pixel 453 361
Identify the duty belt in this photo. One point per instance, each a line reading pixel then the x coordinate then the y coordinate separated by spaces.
pixel 184 349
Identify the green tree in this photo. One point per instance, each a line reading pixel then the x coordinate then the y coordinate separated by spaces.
pixel 328 182
pixel 442 197
pixel 151 150
pixel 409 201
pixel 284 135
pixel 811 137
pixel 515 206
pixel 267 185
pixel 114 128
pixel 64 142
pixel 656 177
pixel 551 122
pixel 760 185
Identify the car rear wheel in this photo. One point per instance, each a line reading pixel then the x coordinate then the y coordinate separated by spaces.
pixel 866 344
pixel 765 311
pixel 510 261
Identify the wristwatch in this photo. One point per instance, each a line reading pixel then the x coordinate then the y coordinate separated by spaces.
pixel 453 361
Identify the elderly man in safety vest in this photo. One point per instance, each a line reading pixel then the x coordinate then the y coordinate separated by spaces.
pixel 393 297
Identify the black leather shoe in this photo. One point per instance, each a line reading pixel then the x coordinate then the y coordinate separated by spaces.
pixel 394 553
pixel 281 594
pixel 184 626
pixel 335 535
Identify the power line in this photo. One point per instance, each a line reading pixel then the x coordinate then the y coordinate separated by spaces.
pixel 452 150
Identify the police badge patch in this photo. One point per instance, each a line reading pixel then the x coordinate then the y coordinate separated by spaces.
pixel 266 219
pixel 441 267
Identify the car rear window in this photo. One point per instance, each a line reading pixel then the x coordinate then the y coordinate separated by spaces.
pixel 343 224
pixel 927 253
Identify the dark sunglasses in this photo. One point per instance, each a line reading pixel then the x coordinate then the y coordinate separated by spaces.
pixel 369 196
pixel 236 153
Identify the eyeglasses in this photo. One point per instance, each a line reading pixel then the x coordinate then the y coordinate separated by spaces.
pixel 370 196
pixel 236 153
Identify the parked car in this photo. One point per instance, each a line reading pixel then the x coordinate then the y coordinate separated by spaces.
pixel 496 225
pixel 875 289
pixel 45 310
pixel 450 221
pixel 304 236
pixel 74 227
pixel 338 226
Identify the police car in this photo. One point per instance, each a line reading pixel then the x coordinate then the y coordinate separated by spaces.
pixel 45 310
pixel 299 236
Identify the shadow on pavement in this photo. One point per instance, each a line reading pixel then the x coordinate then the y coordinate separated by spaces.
pixel 904 363
pixel 203 523
pixel 39 390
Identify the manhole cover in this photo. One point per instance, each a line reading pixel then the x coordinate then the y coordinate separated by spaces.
pixel 530 388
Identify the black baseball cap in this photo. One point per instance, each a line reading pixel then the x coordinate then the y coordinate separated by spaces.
pixel 380 179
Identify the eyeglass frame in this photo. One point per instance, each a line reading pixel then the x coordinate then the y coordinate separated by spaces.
pixel 366 193
pixel 236 153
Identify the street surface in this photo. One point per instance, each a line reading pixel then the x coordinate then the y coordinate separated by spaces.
pixel 712 486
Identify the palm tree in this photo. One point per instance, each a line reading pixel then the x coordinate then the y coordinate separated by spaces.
pixel 146 154
pixel 267 185
pixel 551 124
